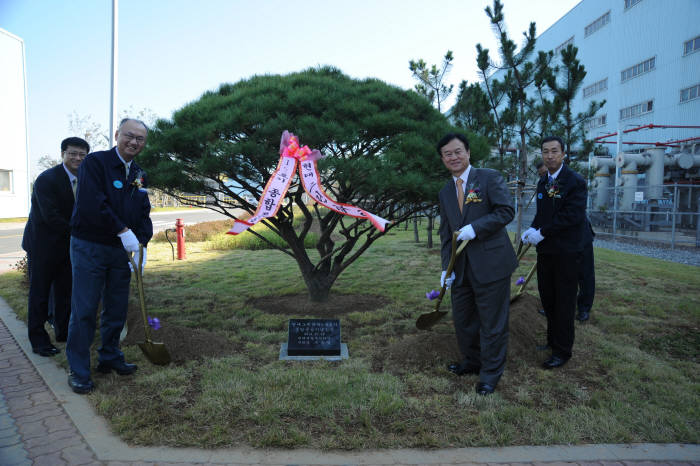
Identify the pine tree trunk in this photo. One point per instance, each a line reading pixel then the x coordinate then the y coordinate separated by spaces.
pixel 431 221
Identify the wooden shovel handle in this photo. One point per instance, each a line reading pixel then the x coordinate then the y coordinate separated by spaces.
pixel 450 266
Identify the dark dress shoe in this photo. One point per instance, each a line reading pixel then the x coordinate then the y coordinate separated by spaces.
pixel 543 312
pixel 47 351
pixel 458 369
pixel 583 316
pixel 542 347
pixel 79 387
pixel 484 388
pixel 554 362
pixel 120 367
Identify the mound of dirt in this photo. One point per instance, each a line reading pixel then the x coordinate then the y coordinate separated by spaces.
pixel 437 347
pixel 183 343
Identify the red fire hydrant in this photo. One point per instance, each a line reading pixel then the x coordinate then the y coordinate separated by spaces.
pixel 180 232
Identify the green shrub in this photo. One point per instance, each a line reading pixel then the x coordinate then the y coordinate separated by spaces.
pixel 198 232
pixel 22 266
pixel 250 241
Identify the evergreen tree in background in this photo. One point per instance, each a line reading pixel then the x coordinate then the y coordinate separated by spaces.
pixel 379 147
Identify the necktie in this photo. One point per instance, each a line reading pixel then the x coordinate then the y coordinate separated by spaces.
pixel 460 195
pixel 551 179
pixel 126 165
pixel 74 185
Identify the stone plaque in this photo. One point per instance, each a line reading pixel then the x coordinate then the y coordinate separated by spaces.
pixel 313 337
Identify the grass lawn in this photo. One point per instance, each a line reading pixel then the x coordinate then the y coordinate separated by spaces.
pixel 633 377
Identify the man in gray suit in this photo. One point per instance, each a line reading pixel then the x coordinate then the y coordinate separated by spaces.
pixel 476 202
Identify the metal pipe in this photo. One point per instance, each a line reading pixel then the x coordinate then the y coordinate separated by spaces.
pixel 673 216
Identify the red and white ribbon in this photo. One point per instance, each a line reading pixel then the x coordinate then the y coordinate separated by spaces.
pixel 278 184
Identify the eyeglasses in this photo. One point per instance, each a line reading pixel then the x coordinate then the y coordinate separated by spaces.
pixel 76 155
pixel 456 154
pixel 139 139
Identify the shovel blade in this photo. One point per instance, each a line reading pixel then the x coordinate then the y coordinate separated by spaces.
pixel 157 353
pixel 426 321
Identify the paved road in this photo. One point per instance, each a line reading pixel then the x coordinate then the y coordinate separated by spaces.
pixel 11 233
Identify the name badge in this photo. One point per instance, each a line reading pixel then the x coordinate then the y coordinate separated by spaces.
pixel 117 184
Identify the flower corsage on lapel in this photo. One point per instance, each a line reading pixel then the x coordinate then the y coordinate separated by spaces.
pixel 553 188
pixel 139 181
pixel 473 194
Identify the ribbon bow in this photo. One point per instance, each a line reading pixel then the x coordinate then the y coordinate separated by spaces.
pixel 291 154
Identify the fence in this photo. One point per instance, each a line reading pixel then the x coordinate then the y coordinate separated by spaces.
pixel 667 215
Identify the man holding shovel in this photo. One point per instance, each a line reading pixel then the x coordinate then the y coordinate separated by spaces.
pixel 558 231
pixel 476 203
pixel 110 219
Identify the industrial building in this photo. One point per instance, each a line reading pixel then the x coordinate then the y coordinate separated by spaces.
pixel 14 156
pixel 643 58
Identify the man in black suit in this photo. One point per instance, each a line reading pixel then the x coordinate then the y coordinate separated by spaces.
pixel 47 242
pixel 476 202
pixel 557 230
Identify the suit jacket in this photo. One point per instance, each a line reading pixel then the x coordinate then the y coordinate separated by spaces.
pixel 108 201
pixel 561 213
pixel 47 232
pixel 490 255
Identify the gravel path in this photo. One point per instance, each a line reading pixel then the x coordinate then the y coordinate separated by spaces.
pixel 682 256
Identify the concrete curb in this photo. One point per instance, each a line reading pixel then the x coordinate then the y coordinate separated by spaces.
pixel 108 447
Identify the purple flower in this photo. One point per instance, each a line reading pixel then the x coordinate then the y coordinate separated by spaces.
pixel 520 281
pixel 154 323
pixel 432 294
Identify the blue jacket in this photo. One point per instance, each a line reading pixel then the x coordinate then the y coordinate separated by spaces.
pixel 107 201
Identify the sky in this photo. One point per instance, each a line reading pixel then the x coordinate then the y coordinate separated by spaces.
pixel 172 51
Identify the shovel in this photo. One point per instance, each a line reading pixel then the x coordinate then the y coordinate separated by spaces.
pixel 156 352
pixel 521 253
pixel 426 321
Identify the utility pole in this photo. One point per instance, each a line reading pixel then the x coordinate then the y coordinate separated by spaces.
pixel 113 79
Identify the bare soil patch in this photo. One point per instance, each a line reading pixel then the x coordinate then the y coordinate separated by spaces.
pixel 183 343
pixel 416 351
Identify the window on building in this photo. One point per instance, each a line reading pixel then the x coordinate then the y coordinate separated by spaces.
pixel 690 93
pixel 596 122
pixel 595 88
pixel 692 45
pixel 597 24
pixel 5 181
pixel 563 45
pixel 636 110
pixel 639 68
pixel 631 3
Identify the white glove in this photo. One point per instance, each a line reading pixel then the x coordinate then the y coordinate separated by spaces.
pixel 525 237
pixel 447 282
pixel 136 260
pixel 466 233
pixel 129 240
pixel 535 237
